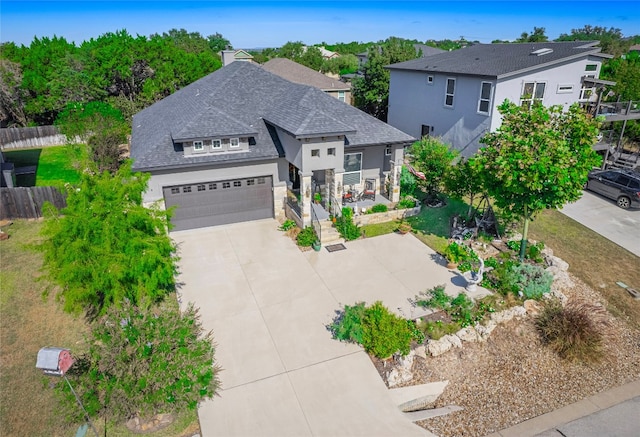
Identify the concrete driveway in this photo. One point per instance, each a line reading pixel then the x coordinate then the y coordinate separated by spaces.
pixel 268 305
pixel 604 217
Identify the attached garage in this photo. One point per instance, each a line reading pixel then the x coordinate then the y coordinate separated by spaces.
pixel 220 202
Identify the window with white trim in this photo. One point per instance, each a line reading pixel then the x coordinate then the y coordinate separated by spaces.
pixel 387 151
pixel 449 92
pixel 587 91
pixel 484 103
pixel 532 92
pixel 235 143
pixel 216 145
pixel 331 151
pixel 198 146
pixel 341 96
pixel 429 80
pixel 315 152
pixel 591 67
pixel 352 169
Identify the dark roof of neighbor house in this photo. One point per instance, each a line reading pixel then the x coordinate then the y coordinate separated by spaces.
pixel 297 73
pixel 501 60
pixel 244 99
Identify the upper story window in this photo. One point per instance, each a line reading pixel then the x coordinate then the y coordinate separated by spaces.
pixel 315 152
pixel 591 67
pixel 216 144
pixel 564 88
pixel 484 103
pixel 331 151
pixel 341 96
pixel 429 80
pixel 198 146
pixel 234 143
pixel 532 92
pixel 449 91
pixel 387 151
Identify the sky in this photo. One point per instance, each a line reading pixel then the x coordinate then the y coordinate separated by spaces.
pixel 256 24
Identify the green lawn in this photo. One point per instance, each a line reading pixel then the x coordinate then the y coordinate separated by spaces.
pixel 433 224
pixel 55 165
pixel 29 322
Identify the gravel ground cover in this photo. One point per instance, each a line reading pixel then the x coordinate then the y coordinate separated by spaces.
pixel 513 377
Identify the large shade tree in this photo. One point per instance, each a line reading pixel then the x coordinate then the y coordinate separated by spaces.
pixel 539 158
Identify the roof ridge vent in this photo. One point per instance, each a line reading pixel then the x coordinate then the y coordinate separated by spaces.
pixel 542 51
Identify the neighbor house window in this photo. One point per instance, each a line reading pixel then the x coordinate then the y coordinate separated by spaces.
pixel 175 191
pixel 198 146
pixel 591 67
pixel 237 183
pixel 564 89
pixel 331 151
pixel 387 151
pixel 315 152
pixel 426 130
pixel 429 80
pixel 213 186
pixel 352 169
pixel 587 90
pixel 186 189
pixel 484 104
pixel 216 145
pixel 251 182
pixel 532 92
pixel 201 188
pixel 235 143
pixel 449 91
pixel 341 96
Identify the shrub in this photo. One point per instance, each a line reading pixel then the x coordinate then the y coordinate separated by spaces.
pixel 307 237
pixel 408 184
pixel 529 279
pixel 574 332
pixel 144 362
pixel 406 202
pixel 435 298
pixel 457 253
pixel 378 207
pixel 345 225
pixel 384 333
pixel 532 252
pixel 288 224
pixel 348 325
pixel 380 332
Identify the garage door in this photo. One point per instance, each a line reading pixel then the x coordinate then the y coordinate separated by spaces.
pixel 220 202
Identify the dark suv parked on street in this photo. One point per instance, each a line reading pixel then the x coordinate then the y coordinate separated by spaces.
pixel 623 186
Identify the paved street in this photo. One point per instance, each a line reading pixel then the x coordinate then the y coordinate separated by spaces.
pixel 604 217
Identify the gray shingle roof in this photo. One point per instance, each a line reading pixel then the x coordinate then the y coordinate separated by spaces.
pixel 296 73
pixel 240 99
pixel 499 60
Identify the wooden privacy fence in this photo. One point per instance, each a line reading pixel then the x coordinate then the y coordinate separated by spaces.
pixel 31 137
pixel 27 202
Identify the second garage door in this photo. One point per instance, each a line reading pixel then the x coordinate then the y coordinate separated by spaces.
pixel 220 202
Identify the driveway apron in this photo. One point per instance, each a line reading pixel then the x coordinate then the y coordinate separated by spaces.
pixel 268 305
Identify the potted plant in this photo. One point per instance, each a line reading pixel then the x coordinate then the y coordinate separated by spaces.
pixel 404 227
pixel 317 245
pixel 454 253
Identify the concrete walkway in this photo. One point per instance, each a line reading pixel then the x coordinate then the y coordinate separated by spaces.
pixel 268 305
pixel 615 412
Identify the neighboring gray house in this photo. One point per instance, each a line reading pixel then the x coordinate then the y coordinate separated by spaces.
pixel 454 95
pixel 234 145
pixel 297 73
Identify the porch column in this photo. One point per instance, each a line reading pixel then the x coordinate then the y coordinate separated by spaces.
pixel 394 174
pixel 338 187
pixel 305 197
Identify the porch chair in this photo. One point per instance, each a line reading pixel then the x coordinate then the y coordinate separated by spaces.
pixel 369 189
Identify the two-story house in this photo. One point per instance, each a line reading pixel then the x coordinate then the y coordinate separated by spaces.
pixel 455 95
pixel 297 73
pixel 240 143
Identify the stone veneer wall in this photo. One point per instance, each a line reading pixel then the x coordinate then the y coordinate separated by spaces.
pixel 381 217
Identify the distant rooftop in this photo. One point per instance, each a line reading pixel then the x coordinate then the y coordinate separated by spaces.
pixel 297 73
